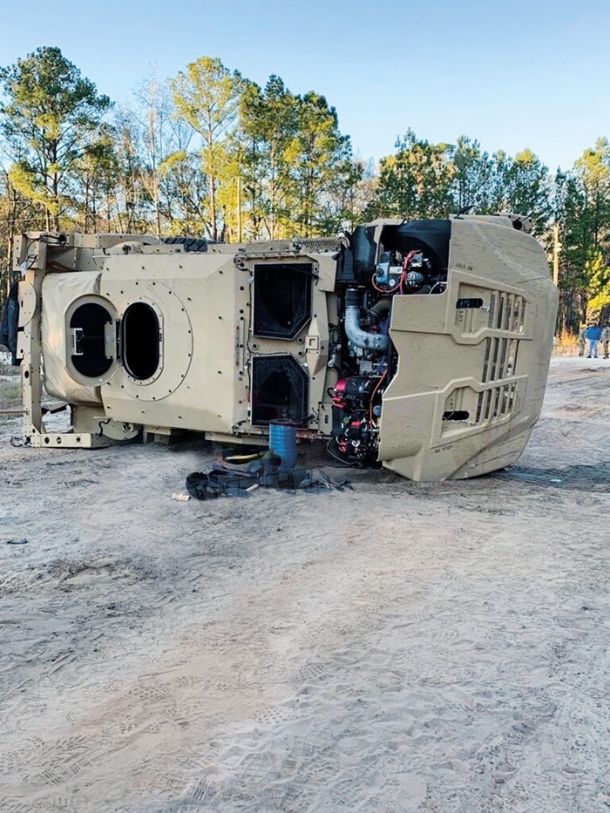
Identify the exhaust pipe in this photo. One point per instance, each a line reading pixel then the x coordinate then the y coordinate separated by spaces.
pixel 357 336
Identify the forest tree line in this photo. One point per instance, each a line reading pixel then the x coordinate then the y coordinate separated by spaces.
pixel 210 153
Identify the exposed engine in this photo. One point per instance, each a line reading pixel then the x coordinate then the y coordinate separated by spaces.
pixel 363 353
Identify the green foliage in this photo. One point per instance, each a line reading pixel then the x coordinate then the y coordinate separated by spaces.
pixel 99 171
pixel 597 274
pixel 268 124
pixel 473 176
pixel 207 97
pixel 294 161
pixel 318 155
pixel 526 188
pixel 48 113
pixel 423 179
pixel 416 181
pixel 582 210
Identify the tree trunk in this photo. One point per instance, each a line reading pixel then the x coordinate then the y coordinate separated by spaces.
pixel 11 233
pixel 86 206
pixel 94 208
pixel 272 201
pixel 212 195
pixel 157 208
pixel 56 202
pixel 55 187
pixel 212 182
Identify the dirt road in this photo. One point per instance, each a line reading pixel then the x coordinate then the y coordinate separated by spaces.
pixel 399 647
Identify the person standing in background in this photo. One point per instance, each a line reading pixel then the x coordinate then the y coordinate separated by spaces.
pixel 606 339
pixel 582 340
pixel 594 334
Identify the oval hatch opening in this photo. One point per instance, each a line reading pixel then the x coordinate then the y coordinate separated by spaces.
pixel 140 341
pixel 89 325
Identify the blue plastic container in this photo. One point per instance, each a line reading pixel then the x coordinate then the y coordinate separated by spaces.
pixel 283 442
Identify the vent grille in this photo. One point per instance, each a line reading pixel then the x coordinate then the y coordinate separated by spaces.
pixel 506 312
pixel 496 403
pixel 463 412
pixel 319 243
pixel 466 410
pixel 500 359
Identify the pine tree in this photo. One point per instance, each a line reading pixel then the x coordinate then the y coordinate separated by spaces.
pixel 207 97
pixel 49 113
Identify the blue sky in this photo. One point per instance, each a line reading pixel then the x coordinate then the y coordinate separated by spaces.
pixel 512 74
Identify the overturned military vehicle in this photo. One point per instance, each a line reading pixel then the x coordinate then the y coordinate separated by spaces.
pixel 421 345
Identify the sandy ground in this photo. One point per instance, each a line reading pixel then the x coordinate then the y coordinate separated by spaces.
pixel 399 647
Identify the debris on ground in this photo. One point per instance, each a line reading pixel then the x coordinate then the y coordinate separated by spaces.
pixel 266 472
pixel 181 496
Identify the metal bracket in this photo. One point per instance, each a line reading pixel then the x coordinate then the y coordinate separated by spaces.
pixel 62 440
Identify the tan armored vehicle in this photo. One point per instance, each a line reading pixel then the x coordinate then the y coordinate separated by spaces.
pixel 424 345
